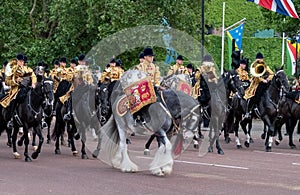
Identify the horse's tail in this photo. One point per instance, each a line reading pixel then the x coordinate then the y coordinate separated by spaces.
pixel 110 140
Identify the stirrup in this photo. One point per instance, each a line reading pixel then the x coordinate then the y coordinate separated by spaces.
pixel 10 124
pixel 18 120
pixel 44 124
pixel 21 132
pixel 247 115
pixel 67 117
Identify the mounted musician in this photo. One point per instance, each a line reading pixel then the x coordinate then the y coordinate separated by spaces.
pixel 178 68
pixel 261 76
pixel 84 73
pixel 19 78
pixel 243 73
pixel 65 78
pixel 149 67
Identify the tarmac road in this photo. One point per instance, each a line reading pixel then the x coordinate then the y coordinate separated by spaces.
pixel 240 171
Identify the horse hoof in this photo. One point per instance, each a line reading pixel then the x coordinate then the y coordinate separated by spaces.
pixel 251 140
pixel 146 152
pixel 75 153
pixel 293 146
pixel 16 155
pixel 220 151
pixel 9 144
pixel 34 155
pixel 20 143
pixel 95 154
pixel 227 140
pixel 196 146
pixel 277 142
pixel 239 146
pixel 77 136
pixel 210 149
pixel 201 136
pixel 84 157
pixel 268 149
pixel 34 148
pixel 28 159
pixel 263 136
pixel 57 151
pixel 247 144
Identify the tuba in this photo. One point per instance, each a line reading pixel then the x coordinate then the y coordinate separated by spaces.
pixel 258 68
pixel 9 67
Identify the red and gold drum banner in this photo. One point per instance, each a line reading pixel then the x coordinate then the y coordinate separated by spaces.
pixel 184 87
pixel 140 94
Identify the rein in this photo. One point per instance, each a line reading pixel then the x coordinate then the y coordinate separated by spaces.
pixel 35 113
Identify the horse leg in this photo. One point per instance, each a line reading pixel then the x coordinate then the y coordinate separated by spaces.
pixel 210 147
pixel 269 142
pixel 97 150
pixel 216 137
pixel 38 132
pixel 249 131
pixel 147 145
pixel 290 130
pixel 33 140
pixel 236 132
pixel 263 135
pixel 122 160
pixel 14 140
pixel 71 140
pixel 162 163
pixel 48 121
pixel 9 136
pixel 83 139
pixel 26 143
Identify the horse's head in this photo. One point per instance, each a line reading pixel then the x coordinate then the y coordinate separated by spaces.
pixel 102 99
pixel 47 90
pixel 280 80
pixel 233 83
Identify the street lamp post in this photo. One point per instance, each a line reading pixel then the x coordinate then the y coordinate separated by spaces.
pixel 202 30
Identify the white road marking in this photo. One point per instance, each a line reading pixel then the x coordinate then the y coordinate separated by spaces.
pixel 285 154
pixel 296 164
pixel 214 165
pixel 203 164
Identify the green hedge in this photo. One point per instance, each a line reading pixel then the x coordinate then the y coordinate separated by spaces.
pixel 269 47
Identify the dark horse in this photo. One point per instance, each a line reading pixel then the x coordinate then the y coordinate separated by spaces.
pixel 156 119
pixel 84 113
pixel 30 114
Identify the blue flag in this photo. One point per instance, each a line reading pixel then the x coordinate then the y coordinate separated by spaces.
pixel 237 34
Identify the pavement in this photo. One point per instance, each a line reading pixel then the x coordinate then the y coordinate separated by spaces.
pixel 239 171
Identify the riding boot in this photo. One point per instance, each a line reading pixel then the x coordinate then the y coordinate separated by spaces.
pixel 248 109
pixel 10 114
pixel 67 116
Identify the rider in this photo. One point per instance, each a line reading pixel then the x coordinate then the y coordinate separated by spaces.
pixel 203 74
pixel 84 72
pixel 19 80
pixel 65 75
pixel 258 84
pixel 243 72
pixel 178 68
pixel 149 68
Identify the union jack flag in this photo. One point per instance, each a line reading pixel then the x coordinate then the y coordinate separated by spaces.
pixel 285 7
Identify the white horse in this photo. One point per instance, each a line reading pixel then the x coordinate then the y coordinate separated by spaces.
pixel 158 117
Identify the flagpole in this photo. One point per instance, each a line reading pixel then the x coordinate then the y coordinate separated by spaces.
pixel 282 51
pixel 223 37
